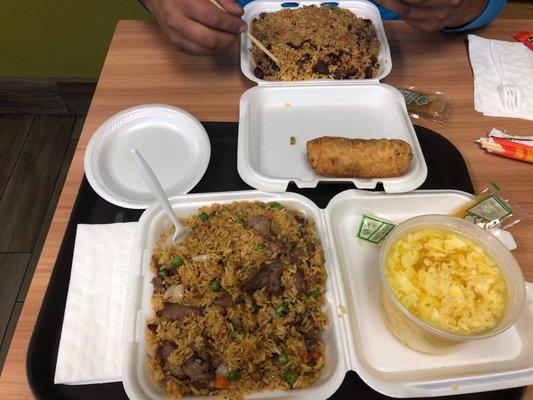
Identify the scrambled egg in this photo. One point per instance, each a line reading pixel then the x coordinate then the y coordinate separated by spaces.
pixel 447 280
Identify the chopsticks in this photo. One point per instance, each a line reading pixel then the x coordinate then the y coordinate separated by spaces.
pixel 507 148
pixel 254 40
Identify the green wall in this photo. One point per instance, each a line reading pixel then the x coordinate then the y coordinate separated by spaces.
pixel 59 38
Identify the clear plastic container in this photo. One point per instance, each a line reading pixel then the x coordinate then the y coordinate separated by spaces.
pixel 424 337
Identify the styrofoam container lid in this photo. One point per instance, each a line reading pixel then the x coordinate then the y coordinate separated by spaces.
pixel 361 8
pixel 172 141
pixel 356 337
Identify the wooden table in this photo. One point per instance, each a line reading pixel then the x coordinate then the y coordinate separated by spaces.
pixel 142 67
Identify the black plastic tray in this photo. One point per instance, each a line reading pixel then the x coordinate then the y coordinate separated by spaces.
pixel 447 170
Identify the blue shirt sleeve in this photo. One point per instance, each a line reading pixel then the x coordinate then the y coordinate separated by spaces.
pixel 490 12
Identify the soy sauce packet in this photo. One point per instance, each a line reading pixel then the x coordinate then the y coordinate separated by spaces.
pixel 434 106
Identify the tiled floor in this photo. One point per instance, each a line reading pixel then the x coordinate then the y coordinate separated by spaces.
pixel 40 122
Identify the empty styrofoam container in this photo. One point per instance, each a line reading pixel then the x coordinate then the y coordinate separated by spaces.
pixel 275 114
pixel 356 337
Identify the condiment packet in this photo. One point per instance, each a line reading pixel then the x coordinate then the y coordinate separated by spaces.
pixel 524 37
pixel 491 208
pixel 435 106
pixel 374 228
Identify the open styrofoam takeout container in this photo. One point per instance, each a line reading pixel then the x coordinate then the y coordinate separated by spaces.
pixel 273 112
pixel 356 337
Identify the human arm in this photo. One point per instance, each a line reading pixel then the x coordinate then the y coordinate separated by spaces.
pixel 447 15
pixel 198 26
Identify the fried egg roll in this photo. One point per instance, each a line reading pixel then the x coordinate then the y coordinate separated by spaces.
pixel 358 158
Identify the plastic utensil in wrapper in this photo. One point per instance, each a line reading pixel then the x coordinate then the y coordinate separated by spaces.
pixel 491 208
pixel 524 37
pixel 435 106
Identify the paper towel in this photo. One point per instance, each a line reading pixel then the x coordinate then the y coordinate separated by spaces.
pixel 517 61
pixel 90 348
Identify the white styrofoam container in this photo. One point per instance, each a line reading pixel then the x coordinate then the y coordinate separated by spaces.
pixel 272 112
pixel 361 8
pixel 356 337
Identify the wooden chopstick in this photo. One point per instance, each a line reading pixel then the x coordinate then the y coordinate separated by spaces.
pixel 254 40
pixel 522 153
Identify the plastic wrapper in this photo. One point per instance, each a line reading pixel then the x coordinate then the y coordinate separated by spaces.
pixel 491 208
pixel 374 228
pixel 524 37
pixel 434 106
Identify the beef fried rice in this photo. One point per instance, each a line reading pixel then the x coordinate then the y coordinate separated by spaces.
pixel 237 303
pixel 313 42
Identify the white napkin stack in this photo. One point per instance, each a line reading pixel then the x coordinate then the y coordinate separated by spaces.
pixel 90 349
pixel 517 62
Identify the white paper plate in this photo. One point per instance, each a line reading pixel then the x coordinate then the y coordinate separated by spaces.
pixel 173 142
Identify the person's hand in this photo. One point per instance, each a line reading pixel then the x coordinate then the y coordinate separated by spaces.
pixel 432 15
pixel 198 26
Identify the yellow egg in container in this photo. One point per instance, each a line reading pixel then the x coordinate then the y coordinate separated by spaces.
pixel 446 281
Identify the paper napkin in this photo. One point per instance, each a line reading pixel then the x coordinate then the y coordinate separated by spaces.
pixel 90 348
pixel 517 62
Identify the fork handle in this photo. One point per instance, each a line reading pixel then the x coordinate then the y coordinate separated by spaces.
pixel 497 61
pixel 155 187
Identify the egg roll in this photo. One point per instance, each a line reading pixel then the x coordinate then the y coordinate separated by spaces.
pixel 341 157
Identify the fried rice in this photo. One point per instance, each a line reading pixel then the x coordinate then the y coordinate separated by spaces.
pixel 237 303
pixel 313 42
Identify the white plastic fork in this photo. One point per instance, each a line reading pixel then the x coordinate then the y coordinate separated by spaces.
pixel 155 187
pixel 509 94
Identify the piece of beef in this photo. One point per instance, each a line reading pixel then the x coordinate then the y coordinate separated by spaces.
pixel 263 227
pixel 310 338
pixel 199 370
pixel 165 349
pixel 276 245
pixel 157 282
pixel 334 58
pixel 320 67
pixel 311 248
pixel 296 255
pixel 350 72
pixel 260 225
pixel 257 280
pixel 303 59
pixel 223 303
pixel 300 281
pixel 153 328
pixel 294 46
pixel 266 275
pixel 155 260
pixel 368 73
pixel 174 311
pixel 258 72
pixel 274 280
